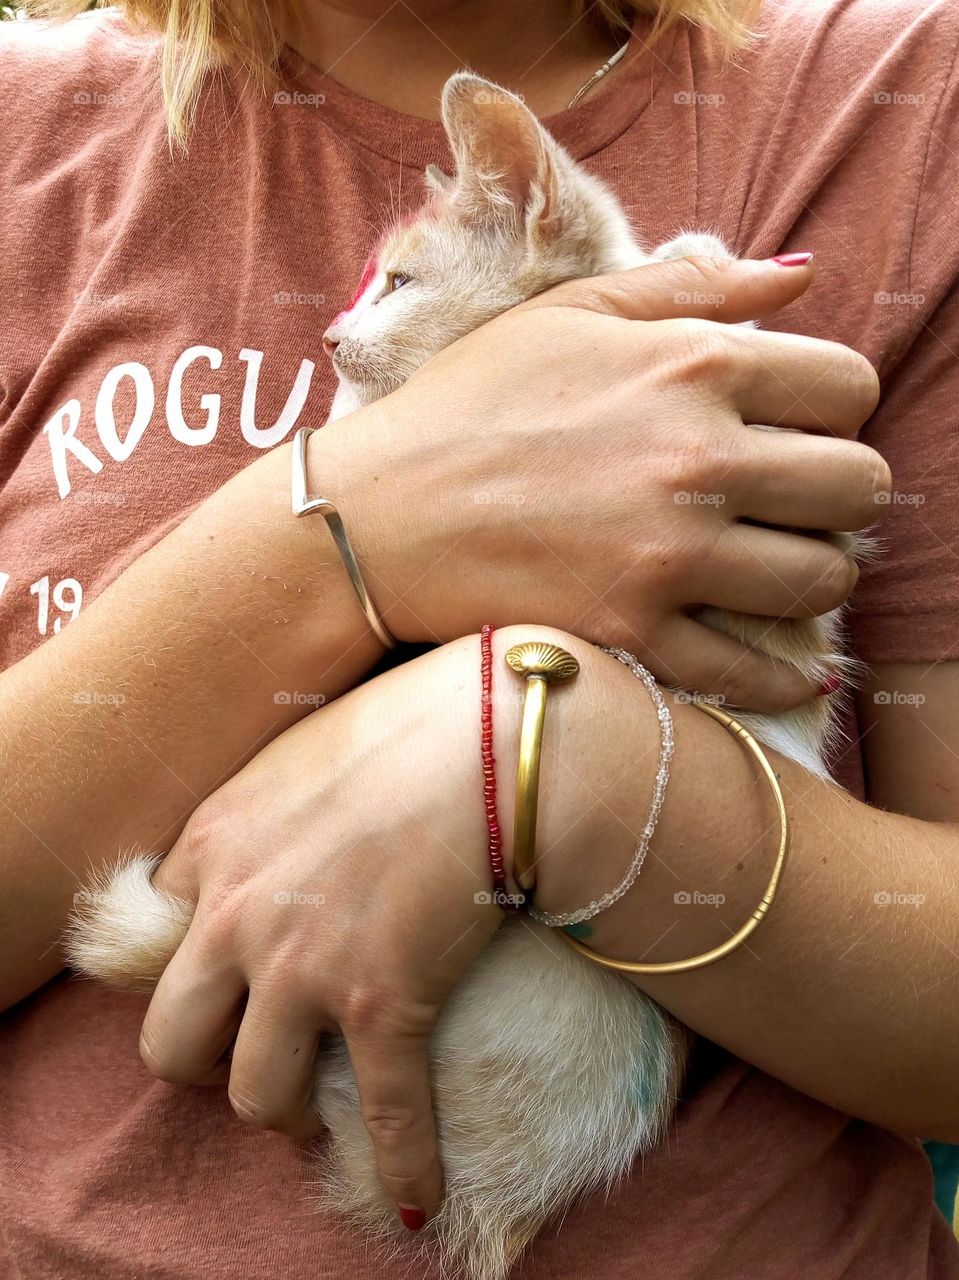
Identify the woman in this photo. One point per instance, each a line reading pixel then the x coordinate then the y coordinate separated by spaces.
pixel 163 319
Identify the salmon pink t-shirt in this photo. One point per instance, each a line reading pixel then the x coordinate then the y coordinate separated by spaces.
pixel 160 318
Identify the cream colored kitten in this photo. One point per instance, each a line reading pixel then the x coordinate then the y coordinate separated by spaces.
pixel 550 1075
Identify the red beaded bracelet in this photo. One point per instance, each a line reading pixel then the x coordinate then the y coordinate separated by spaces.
pixel 501 894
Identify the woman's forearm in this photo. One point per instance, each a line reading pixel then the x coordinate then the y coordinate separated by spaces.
pixel 212 643
pixel 242 604
pixel 846 990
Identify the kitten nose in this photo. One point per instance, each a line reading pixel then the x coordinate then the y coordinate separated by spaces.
pixel 330 344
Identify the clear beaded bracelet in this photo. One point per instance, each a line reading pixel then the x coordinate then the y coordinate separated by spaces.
pixel 562 919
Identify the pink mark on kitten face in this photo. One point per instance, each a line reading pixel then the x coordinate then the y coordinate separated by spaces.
pixel 369 271
pixel 330 338
pixel 375 282
pixel 372 266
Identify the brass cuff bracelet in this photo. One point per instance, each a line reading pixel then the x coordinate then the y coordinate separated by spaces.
pixel 543 664
pixel 304 505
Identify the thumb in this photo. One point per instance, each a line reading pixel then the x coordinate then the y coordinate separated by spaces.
pixel 702 288
pixel 175 873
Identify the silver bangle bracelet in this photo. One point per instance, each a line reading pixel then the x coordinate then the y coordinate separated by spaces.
pixel 304 505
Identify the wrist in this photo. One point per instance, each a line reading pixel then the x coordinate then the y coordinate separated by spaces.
pixel 598 766
pixel 364 465
pixel 282 579
pixel 710 855
pixel 597 797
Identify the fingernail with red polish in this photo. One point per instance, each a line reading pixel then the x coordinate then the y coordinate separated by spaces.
pixel 829 685
pixel 413 1217
pixel 792 259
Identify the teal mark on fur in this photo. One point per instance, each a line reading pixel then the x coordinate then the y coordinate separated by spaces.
pixel 650 1081
pixel 579 931
pixel 646 1086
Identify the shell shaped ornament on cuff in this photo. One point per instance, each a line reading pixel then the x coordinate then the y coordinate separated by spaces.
pixel 541 665
pixel 304 505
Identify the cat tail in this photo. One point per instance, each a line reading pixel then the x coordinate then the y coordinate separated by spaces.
pixel 124 931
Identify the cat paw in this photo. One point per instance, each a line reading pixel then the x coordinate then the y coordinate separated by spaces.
pixel 693 244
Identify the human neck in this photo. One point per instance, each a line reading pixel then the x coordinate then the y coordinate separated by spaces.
pixel 399 54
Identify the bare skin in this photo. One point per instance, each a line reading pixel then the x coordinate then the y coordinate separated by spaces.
pixel 205 631
pixel 854 959
pixel 400 55
pixel 63 777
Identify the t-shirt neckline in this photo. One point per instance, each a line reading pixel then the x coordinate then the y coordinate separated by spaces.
pixel 409 140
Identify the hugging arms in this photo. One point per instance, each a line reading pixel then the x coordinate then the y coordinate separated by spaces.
pixel 597 404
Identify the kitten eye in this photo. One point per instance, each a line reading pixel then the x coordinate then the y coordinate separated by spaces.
pixel 396 280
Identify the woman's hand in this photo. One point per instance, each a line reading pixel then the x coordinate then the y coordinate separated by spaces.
pixel 342 882
pixel 532 471
pixel 336 878
pixel 584 461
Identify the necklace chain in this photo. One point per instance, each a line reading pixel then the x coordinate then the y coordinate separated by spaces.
pixel 597 76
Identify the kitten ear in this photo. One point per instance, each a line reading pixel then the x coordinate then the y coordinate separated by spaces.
pixel 436 180
pixel 506 163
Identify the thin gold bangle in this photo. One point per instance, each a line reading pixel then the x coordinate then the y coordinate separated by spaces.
pixel 542 664
pixel 757 917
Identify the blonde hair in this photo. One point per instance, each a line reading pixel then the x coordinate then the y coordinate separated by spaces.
pixel 198 34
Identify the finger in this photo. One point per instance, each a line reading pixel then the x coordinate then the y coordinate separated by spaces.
pixel 809 482
pixel 807 383
pixel 393 1079
pixel 708 288
pixel 274 1064
pixel 780 379
pixel 720 667
pixel 193 1016
pixel 776 574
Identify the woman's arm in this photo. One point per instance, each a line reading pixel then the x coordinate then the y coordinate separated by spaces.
pixel 368 913
pixel 114 730
pixel 216 640
pixel 846 990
